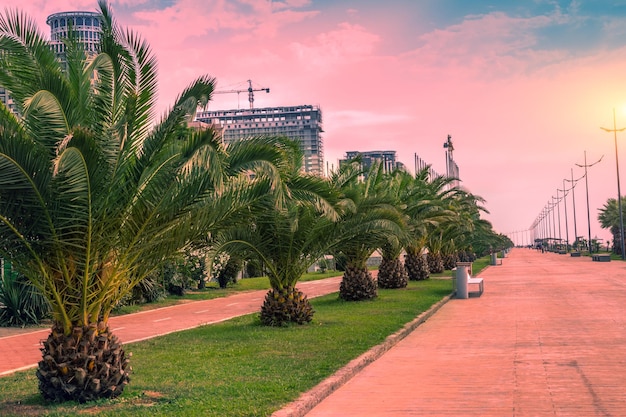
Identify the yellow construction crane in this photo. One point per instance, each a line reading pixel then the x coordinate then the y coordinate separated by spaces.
pixel 250 91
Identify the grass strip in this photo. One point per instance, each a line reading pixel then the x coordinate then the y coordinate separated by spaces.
pixel 240 368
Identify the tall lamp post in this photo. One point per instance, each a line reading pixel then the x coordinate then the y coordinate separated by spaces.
pixel 587 192
pixel 619 193
pixel 573 182
pixel 558 211
pixel 566 226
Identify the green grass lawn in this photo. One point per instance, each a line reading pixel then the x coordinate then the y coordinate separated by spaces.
pixel 213 290
pixel 240 368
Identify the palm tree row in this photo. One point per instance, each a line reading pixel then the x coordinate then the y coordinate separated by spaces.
pixel 95 196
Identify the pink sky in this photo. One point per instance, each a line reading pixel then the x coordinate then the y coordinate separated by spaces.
pixel 522 91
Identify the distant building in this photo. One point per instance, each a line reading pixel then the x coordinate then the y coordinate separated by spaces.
pixel 5 98
pixel 368 158
pixel 301 123
pixel 86 26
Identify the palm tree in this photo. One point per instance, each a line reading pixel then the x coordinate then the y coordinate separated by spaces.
pixel 426 211
pixel 94 196
pixel 454 231
pixel 609 219
pixel 370 221
pixel 288 232
pixel 391 272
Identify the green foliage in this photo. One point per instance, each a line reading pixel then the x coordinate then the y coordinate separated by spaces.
pixel 287 233
pixel 254 268
pixel 251 370
pixel 95 194
pixel 609 218
pixel 228 274
pixel 21 304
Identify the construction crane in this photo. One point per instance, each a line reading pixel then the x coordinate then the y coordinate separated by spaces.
pixel 250 91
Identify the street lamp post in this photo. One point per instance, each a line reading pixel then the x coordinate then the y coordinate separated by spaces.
pixel 619 193
pixel 552 205
pixel 574 181
pixel 558 211
pixel 587 192
pixel 566 225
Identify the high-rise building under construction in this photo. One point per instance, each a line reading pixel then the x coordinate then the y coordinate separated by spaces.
pixel 300 123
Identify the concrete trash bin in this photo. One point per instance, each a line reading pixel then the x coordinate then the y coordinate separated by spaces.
pixel 461 279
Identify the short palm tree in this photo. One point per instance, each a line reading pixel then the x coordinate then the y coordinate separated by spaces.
pixel 609 218
pixel 288 231
pixel 391 271
pixel 425 208
pixel 94 196
pixel 370 221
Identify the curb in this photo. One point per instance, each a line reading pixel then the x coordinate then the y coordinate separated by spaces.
pixel 315 395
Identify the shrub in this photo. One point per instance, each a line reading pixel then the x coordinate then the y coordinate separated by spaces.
pixel 21 303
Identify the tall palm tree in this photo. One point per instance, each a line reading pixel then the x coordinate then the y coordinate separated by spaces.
pixel 464 209
pixel 94 196
pixel 288 232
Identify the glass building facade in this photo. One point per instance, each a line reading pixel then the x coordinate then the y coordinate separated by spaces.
pixel 300 123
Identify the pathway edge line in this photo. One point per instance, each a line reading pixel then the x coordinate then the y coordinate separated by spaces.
pixel 309 399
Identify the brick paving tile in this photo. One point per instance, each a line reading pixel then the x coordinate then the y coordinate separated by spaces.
pixel 22 351
pixel 546 338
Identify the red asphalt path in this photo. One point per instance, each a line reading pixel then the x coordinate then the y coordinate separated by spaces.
pixel 546 338
pixel 22 351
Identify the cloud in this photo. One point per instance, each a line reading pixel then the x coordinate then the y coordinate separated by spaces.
pixel 345 45
pixel 351 118
pixel 492 45
pixel 237 20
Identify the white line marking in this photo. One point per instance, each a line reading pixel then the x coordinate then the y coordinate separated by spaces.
pixel 201 311
pixel 167 318
pixel 118 328
pixel 231 304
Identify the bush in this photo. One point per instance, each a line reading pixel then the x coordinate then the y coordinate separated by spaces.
pixel 229 272
pixel 21 303
pixel 254 268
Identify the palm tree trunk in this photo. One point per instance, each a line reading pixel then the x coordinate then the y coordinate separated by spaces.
pixel 284 306
pixel 416 267
pixel 357 284
pixel 392 274
pixel 435 262
pixel 87 365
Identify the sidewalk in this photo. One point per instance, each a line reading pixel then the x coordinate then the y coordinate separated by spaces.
pixel 21 351
pixel 547 338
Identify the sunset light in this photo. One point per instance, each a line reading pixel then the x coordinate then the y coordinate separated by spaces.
pixel 522 87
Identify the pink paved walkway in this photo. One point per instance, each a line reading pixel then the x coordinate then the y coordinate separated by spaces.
pixel 547 338
pixel 22 351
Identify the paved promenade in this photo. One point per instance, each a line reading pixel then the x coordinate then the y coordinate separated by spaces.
pixel 547 338
pixel 21 351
